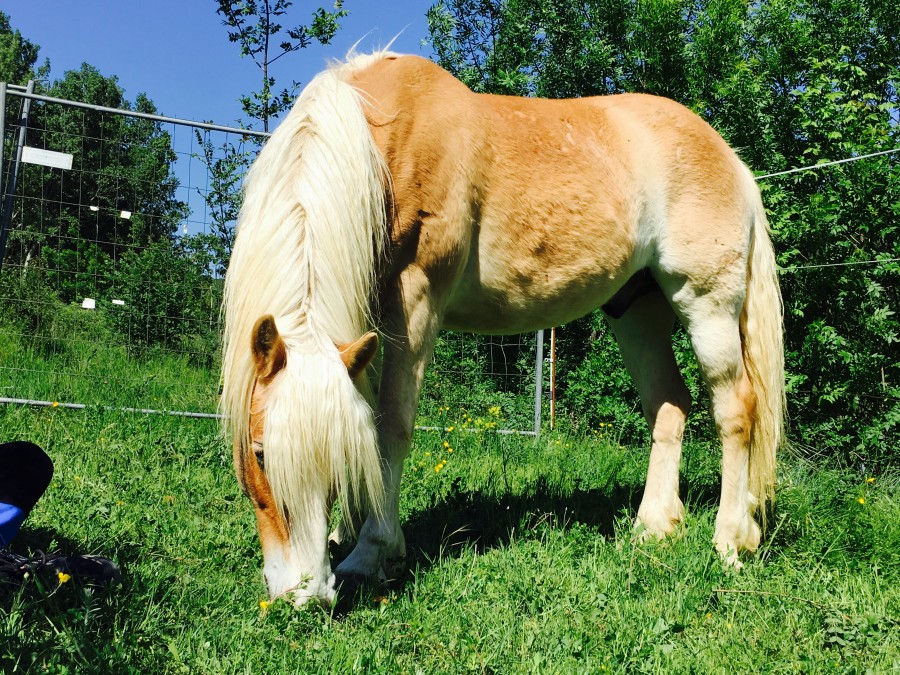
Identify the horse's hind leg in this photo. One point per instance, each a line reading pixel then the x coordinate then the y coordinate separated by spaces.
pixel 711 316
pixel 644 334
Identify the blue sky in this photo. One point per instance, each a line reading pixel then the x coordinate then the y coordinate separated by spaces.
pixel 178 53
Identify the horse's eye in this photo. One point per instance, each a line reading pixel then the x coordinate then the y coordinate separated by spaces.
pixel 260 458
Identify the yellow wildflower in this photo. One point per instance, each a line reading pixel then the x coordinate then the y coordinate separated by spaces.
pixel 450 450
pixel 870 480
pixel 450 428
pixel 55 404
pixel 446 444
pixel 169 499
pixel 494 410
pixel 264 605
pixel 861 500
pixel 63 577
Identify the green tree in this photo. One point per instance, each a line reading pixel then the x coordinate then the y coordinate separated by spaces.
pixel 256 26
pixel 120 192
pixel 18 55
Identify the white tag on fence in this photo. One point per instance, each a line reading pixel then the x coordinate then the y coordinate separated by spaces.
pixel 56 160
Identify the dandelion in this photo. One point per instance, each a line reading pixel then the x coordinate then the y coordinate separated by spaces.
pixel 119 503
pixel 428 454
pixel 55 404
pixel 63 577
pixel 450 428
pixel 264 605
pixel 446 444
pixel 861 500
pixel 870 480
pixel 450 450
pixel 708 616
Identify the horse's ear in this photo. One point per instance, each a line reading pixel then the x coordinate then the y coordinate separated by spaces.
pixel 357 355
pixel 269 352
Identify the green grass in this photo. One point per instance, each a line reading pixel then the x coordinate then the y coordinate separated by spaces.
pixel 521 560
pixel 76 358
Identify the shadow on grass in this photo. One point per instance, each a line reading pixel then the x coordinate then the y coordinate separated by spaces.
pixel 487 521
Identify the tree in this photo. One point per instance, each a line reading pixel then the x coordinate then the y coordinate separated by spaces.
pixel 18 55
pixel 74 219
pixel 255 26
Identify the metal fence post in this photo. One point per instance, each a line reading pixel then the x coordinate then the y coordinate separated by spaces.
pixel 10 191
pixel 538 379
pixel 2 141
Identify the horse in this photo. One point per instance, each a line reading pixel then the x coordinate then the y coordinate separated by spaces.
pixel 393 201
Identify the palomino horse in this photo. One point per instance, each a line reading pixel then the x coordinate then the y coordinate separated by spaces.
pixel 393 198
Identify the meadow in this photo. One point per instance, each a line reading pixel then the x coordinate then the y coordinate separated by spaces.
pixel 521 560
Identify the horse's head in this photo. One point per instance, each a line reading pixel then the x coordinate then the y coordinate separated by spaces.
pixel 285 465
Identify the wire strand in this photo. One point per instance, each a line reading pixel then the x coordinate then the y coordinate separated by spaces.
pixel 840 264
pixel 813 167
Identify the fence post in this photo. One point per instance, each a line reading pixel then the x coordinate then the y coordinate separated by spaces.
pixel 2 141
pixel 538 379
pixel 10 191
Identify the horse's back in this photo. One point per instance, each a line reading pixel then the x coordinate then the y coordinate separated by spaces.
pixel 535 211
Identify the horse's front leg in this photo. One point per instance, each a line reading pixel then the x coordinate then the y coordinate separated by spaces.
pixel 411 321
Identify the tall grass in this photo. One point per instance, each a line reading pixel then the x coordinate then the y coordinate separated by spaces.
pixel 520 560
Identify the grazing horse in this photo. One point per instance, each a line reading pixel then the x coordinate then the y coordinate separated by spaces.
pixel 393 198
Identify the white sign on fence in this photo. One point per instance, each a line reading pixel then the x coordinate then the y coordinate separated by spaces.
pixel 56 160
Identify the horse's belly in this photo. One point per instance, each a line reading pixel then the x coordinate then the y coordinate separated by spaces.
pixel 526 304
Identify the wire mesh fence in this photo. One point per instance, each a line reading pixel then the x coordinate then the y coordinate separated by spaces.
pixel 119 226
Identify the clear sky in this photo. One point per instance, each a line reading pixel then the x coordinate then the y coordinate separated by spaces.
pixel 178 53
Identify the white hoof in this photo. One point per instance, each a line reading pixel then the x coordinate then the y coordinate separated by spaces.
pixel 658 521
pixel 732 538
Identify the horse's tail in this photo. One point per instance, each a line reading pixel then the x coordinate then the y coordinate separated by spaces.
pixel 763 347
pixel 307 249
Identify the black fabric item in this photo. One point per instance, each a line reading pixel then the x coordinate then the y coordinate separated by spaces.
pixel 88 569
pixel 25 473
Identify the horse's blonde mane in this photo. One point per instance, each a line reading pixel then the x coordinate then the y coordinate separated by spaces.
pixel 309 238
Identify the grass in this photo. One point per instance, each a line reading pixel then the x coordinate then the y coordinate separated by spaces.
pixel 521 560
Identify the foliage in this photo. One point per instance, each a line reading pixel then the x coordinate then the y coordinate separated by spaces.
pixel 106 229
pixel 254 25
pixel 169 295
pixel 18 55
pixel 787 82
pixel 521 559
pixel 227 164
